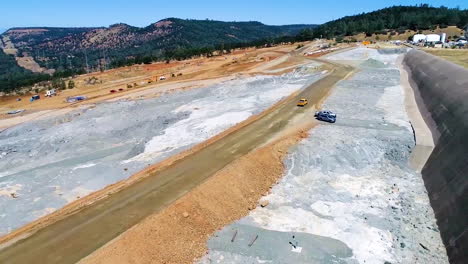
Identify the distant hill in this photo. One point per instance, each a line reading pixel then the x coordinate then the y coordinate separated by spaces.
pixel 72 50
pixel 396 18
pixel 121 41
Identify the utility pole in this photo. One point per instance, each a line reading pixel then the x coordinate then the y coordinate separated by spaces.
pixel 69 62
pixel 44 58
pixel 86 60
pixel 105 60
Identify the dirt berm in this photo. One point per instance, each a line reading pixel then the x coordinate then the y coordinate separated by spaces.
pixel 441 89
pixel 75 236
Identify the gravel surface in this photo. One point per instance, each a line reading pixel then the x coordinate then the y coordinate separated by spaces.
pixel 348 194
pixel 48 163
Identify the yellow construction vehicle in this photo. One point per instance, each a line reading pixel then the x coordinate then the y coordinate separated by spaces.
pixel 302 102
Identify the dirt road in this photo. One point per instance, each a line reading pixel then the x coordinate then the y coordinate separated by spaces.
pixel 76 236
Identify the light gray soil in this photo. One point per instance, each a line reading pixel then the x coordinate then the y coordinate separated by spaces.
pixel 48 163
pixel 349 194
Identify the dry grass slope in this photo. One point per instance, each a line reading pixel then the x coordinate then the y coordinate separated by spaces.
pixel 458 56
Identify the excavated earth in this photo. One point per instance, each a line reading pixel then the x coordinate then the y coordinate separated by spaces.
pixel 340 193
pixel 47 164
pixel 81 227
pixel 348 194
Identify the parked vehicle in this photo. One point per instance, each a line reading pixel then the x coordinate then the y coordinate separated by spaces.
pixel 326 112
pixel 34 98
pixel 327 116
pixel 50 93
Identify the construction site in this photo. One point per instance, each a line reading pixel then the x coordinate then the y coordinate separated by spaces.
pixel 223 160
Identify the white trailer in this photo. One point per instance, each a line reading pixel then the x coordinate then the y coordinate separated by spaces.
pixel 418 38
pixel 50 93
pixel 443 37
pixel 432 38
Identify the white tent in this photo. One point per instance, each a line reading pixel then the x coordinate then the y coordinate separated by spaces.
pixel 419 37
pixel 432 38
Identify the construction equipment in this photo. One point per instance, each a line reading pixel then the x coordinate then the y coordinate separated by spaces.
pixel 302 102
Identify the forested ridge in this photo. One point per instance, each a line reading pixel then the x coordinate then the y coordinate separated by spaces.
pixel 396 18
pixel 77 50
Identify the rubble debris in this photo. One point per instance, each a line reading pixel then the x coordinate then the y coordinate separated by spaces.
pixel 72 99
pixel 234 236
pixel 13 112
pixel 424 246
pixel 253 240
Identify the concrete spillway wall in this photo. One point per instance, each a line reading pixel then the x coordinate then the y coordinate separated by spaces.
pixel 442 88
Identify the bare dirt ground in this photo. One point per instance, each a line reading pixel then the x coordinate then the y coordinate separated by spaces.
pixel 97 86
pixel 178 234
pixel 8 46
pixel 29 63
pixel 324 85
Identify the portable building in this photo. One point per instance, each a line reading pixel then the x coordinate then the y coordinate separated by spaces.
pixel 419 37
pixel 443 37
pixel 432 38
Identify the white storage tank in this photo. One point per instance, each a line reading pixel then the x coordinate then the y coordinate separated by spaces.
pixel 443 37
pixel 419 37
pixel 432 38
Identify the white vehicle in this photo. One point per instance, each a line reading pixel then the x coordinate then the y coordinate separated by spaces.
pixel 162 78
pixel 50 93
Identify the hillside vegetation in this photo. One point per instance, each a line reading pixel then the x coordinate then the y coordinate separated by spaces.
pixel 72 51
pixel 396 19
pixel 13 76
pixel 77 50
pixel 72 48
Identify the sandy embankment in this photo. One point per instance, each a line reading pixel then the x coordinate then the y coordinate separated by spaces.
pixel 103 193
pixel 198 73
pixel 88 200
pixel 179 233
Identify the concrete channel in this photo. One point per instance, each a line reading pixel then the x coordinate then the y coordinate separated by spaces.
pixel 443 95
pixel 349 194
pixel 76 236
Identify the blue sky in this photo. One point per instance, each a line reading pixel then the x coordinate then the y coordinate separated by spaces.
pixel 65 13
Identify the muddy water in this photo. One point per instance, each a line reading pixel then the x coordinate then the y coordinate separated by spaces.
pixel 72 238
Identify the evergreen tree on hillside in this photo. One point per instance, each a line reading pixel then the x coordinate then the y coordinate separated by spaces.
pixel 396 18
